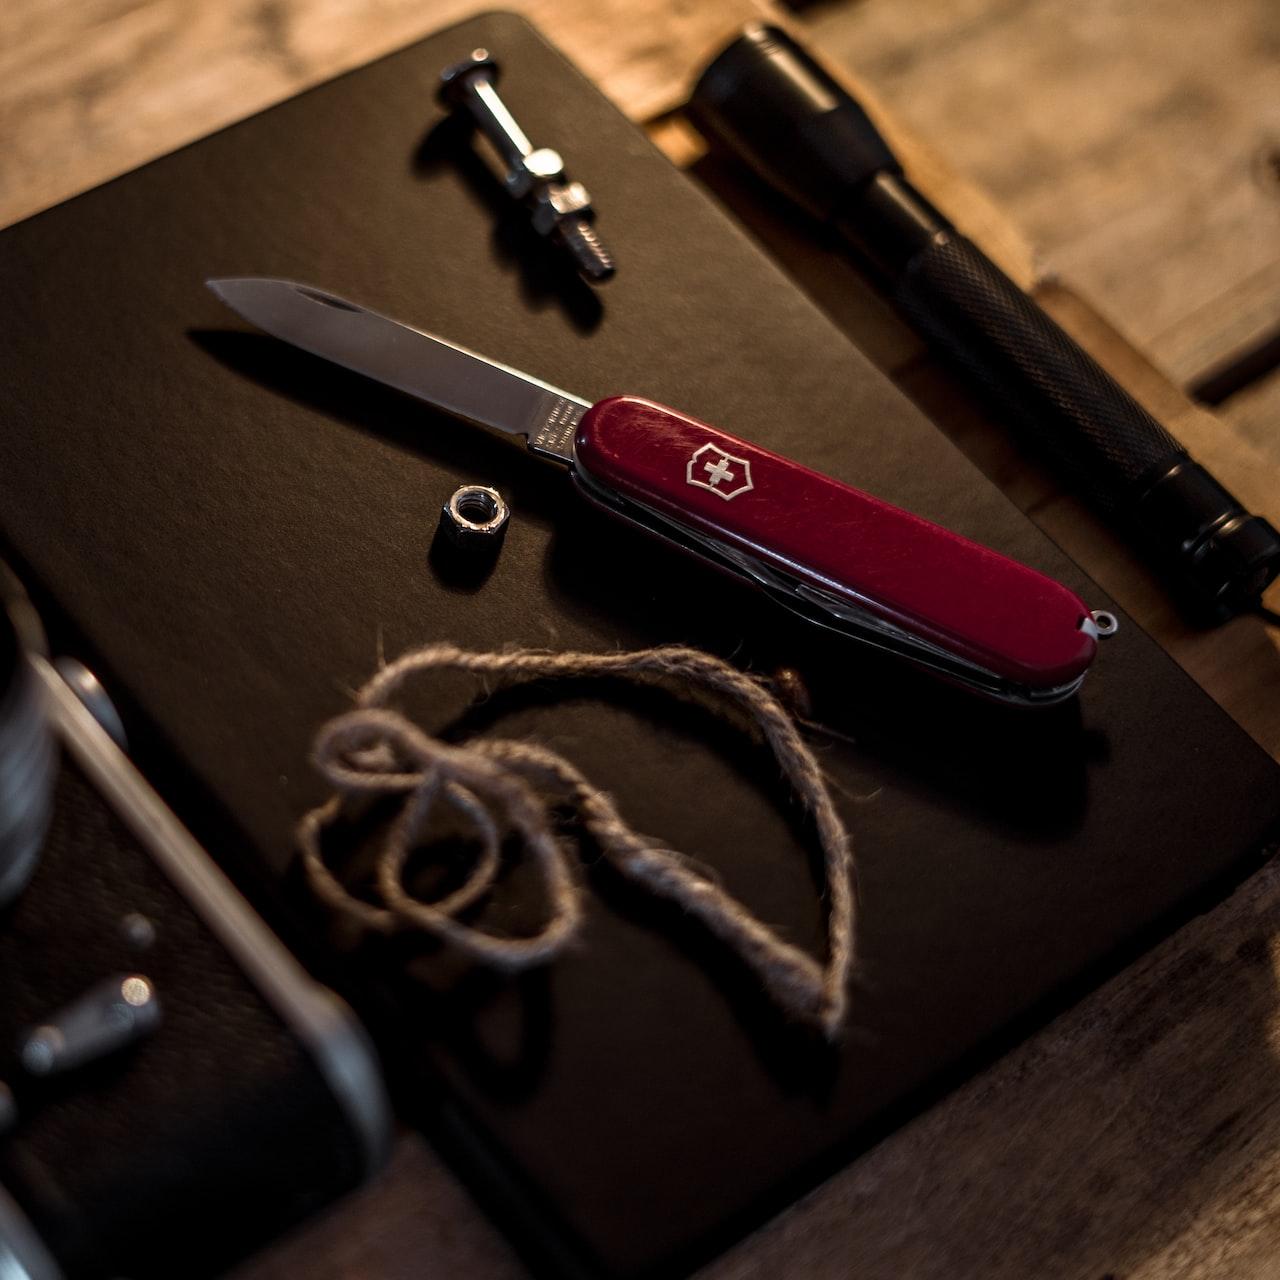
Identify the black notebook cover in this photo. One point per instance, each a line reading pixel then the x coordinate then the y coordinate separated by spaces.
pixel 232 531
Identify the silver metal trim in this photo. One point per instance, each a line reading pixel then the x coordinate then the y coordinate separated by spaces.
pixel 491 499
pixel 88 688
pixel 324 1024
pixel 1101 624
pixel 553 436
pixel 23 1255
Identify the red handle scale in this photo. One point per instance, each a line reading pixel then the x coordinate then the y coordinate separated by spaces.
pixel 901 569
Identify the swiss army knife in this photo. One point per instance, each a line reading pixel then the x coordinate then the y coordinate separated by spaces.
pixel 838 557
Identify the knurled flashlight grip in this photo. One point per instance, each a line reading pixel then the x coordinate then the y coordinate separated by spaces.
pixel 766 100
pixel 1085 421
pixel 966 306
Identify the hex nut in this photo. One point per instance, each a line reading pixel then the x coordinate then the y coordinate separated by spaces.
pixel 556 203
pixel 475 518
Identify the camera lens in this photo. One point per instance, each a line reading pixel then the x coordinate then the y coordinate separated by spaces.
pixel 26 764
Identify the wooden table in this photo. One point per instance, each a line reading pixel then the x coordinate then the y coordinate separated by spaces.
pixel 1137 148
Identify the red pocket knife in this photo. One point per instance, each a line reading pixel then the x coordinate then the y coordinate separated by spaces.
pixel 831 553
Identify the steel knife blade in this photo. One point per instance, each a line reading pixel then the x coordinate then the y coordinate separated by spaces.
pixel 831 553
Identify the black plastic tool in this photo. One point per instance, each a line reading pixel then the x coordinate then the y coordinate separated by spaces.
pixel 766 100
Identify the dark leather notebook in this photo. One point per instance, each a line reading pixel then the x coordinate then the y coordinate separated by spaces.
pixel 232 530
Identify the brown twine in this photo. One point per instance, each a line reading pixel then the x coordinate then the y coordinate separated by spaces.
pixel 498 785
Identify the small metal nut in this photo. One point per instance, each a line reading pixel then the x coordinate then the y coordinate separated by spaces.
pixel 475 518
pixel 544 163
pixel 557 203
pixel 531 173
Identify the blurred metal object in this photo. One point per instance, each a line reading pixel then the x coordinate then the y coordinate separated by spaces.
pixel 109 1017
pixel 312 1110
pixel 475 518
pixel 559 209
pixel 23 1255
pixel 88 688
pixel 138 931
pixel 27 758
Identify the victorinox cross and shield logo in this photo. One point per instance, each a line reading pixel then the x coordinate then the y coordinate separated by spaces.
pixel 722 473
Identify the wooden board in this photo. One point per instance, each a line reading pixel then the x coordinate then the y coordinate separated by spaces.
pixel 91 89
pixel 1134 142
pixel 1254 415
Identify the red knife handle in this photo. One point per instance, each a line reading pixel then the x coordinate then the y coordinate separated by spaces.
pixel 902 570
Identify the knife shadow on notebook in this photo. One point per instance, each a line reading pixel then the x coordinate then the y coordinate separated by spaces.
pixel 353 400
pixel 1025 771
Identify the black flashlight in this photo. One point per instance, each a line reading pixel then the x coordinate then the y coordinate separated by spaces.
pixel 766 100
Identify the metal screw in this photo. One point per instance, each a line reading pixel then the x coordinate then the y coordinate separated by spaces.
pixel 559 209
pixel 475 518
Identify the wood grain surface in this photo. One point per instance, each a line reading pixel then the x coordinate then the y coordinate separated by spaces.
pixel 92 88
pixel 1136 142
pixel 1138 1135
